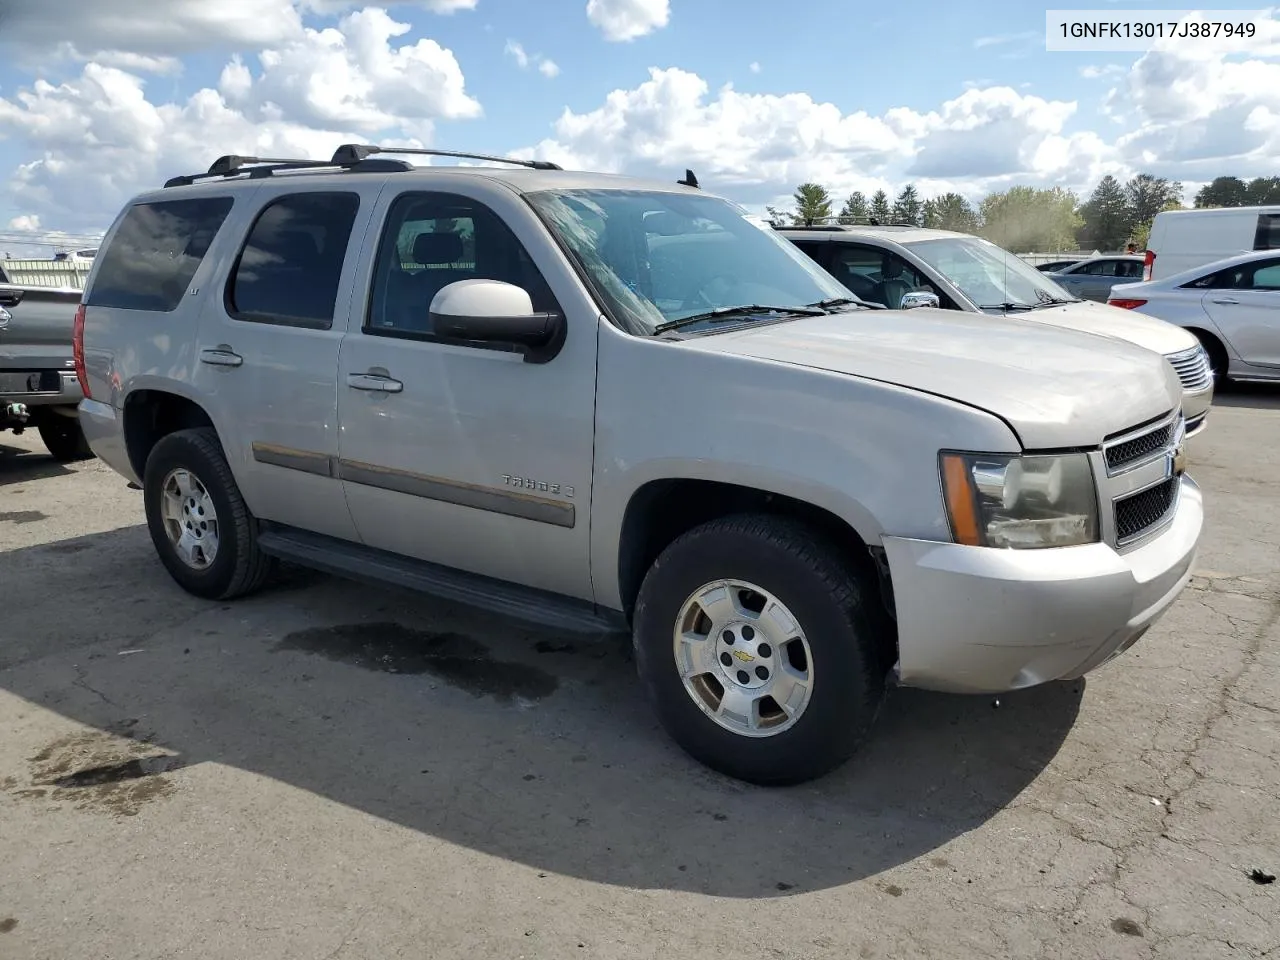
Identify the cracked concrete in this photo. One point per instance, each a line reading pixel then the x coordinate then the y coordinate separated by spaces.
pixel 312 807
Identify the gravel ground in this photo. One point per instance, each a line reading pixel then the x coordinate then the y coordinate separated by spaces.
pixel 330 770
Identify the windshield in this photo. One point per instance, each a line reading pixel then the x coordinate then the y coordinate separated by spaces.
pixel 654 258
pixel 988 275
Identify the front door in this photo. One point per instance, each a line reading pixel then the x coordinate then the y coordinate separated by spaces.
pixel 459 454
pixel 268 350
pixel 1244 302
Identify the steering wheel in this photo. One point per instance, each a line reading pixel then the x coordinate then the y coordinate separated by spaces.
pixel 724 279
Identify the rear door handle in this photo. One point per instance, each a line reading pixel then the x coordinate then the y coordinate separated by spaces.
pixel 1226 300
pixel 221 357
pixel 373 381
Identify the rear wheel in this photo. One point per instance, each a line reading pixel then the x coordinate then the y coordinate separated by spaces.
pixel 202 530
pixel 756 646
pixel 63 437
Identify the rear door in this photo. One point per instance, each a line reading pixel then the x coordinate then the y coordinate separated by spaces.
pixel 1244 302
pixel 267 355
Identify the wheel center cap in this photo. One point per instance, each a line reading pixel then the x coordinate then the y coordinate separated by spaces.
pixel 745 657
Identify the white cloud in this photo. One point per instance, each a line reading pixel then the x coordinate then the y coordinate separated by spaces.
pixel 523 60
pixel 1004 39
pixel 27 223
pixel 758 146
pixel 95 140
pixel 621 20
pixel 755 66
pixel 516 52
pixel 435 6
pixel 1103 72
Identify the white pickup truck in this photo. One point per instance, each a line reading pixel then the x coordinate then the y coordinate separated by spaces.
pixel 602 403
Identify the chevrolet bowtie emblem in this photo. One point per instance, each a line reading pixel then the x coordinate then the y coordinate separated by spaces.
pixel 743 656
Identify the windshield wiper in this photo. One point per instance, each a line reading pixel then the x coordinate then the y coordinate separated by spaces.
pixel 1048 301
pixel 721 314
pixel 1008 307
pixel 842 302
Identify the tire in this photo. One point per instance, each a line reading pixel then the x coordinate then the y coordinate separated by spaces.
pixel 235 566
pixel 1218 359
pixel 837 618
pixel 63 437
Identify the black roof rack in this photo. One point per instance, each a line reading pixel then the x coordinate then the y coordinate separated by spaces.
pixel 350 153
pixel 352 157
pixel 824 223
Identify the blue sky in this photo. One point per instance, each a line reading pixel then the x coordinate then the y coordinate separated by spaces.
pixel 854 95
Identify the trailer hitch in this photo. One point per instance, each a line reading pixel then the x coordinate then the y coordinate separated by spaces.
pixel 15 413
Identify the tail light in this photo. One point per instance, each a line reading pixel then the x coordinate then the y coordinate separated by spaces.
pixel 1148 264
pixel 77 351
pixel 1126 304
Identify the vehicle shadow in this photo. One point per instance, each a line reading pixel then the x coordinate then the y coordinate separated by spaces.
pixel 1258 396
pixel 521 744
pixel 18 464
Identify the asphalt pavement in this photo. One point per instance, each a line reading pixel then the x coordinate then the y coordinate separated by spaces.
pixel 333 771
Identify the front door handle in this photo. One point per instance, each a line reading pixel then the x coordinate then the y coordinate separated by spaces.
pixel 1225 300
pixel 221 357
pixel 374 381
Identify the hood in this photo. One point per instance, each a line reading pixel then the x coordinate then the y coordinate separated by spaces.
pixel 1116 323
pixel 1054 387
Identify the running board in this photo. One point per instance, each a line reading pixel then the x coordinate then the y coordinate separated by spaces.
pixel 357 562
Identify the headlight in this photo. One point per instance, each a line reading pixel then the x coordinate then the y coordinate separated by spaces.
pixel 1024 502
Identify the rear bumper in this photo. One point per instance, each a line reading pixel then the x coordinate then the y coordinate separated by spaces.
pixel 980 620
pixel 40 388
pixel 103 428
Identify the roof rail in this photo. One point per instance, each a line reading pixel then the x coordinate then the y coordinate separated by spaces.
pixel 350 153
pixel 352 157
pixel 822 223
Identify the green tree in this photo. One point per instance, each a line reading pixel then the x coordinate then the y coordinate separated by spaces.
pixel 880 210
pixel 855 209
pixel 1264 190
pixel 777 217
pixel 1106 216
pixel 908 208
pixel 1223 192
pixel 950 212
pixel 1024 219
pixel 813 203
pixel 1148 195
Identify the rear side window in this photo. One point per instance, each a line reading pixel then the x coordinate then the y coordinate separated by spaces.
pixel 292 260
pixel 1267 236
pixel 155 252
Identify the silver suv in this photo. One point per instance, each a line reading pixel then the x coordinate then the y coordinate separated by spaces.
pixel 601 403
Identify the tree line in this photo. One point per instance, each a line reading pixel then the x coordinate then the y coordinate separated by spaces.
pixel 1027 219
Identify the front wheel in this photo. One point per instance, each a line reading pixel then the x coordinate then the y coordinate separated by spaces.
pixel 757 646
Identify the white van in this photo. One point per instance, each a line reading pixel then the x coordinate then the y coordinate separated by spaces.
pixel 1185 239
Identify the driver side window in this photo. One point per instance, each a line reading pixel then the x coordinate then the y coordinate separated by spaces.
pixel 877 276
pixel 430 240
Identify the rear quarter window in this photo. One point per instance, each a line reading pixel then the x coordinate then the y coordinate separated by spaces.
pixel 157 249
pixel 1267 236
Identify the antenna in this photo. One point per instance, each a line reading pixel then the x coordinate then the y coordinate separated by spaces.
pixel 689 180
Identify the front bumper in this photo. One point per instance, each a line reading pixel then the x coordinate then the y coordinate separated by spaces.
pixel 982 620
pixel 1195 408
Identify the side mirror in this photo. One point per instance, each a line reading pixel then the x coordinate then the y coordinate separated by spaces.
pixel 10 297
pixel 491 311
pixel 919 298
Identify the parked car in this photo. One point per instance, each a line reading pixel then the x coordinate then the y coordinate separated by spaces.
pixel 1093 278
pixel 1232 305
pixel 38 385
pixel 962 272
pixel 600 403
pixel 1052 266
pixel 1186 239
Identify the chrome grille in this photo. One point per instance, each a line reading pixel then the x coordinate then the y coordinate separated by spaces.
pixel 1137 513
pixel 1138 447
pixel 1193 368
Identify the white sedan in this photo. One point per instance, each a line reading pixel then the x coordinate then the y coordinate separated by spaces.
pixel 1232 305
